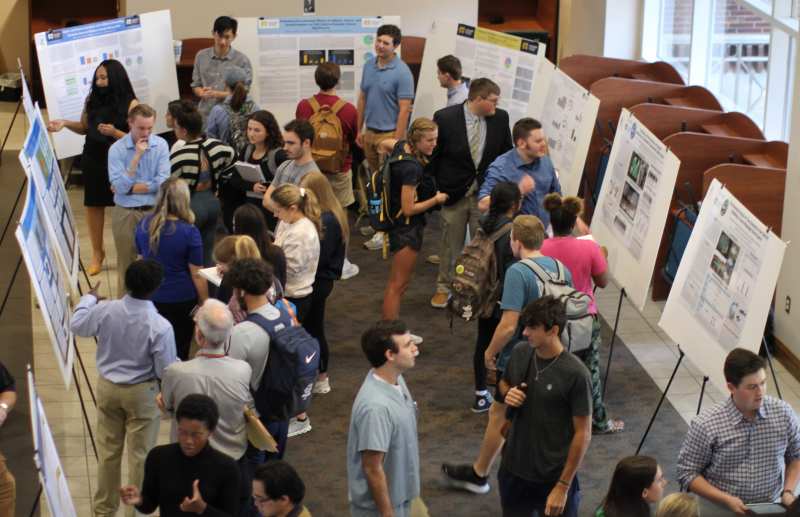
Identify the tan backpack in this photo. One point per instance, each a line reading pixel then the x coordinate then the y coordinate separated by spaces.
pixel 329 149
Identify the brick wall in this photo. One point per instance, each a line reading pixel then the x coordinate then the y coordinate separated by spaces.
pixel 736 19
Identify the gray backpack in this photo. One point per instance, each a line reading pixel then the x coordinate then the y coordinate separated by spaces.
pixel 577 334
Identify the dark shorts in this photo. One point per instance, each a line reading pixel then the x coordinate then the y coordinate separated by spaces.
pixel 406 235
pixel 498 397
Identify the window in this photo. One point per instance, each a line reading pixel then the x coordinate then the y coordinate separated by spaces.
pixel 741 50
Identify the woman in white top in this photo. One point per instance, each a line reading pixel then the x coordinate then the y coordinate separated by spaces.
pixel 297 234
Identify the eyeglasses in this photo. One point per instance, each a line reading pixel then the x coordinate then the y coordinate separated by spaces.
pixel 260 499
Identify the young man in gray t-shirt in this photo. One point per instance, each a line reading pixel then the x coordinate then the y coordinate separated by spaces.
pixel 298 137
pixel 382 447
pixel 548 391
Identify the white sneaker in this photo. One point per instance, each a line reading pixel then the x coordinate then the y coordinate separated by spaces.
pixel 366 231
pixel 322 387
pixel 376 242
pixel 417 340
pixel 298 427
pixel 349 270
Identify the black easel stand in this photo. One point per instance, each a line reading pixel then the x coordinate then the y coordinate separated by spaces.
pixel 663 397
pixel 771 367
pixel 36 501
pixel 613 339
pixel 10 127
pixel 83 406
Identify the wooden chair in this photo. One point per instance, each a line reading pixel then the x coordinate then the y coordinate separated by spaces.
pixel 191 46
pixel 585 70
pixel 412 49
pixel 664 120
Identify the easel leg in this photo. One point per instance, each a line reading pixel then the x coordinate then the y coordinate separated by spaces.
pixel 661 401
pixel 771 367
pixel 702 392
pixel 36 501
pixel 10 127
pixel 13 209
pixel 613 340
pixel 85 414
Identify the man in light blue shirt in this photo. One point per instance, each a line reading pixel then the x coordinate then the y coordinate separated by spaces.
pixel 138 163
pixel 527 165
pixel 134 346
pixel 448 71
pixel 382 446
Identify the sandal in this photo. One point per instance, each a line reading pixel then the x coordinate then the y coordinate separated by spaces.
pixel 96 266
pixel 613 426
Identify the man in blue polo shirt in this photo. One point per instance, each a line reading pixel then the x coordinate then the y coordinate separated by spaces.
pixel 384 102
pixel 138 164
pixel 528 165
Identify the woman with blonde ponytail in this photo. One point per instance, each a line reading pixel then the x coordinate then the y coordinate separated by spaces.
pixel 586 262
pixel 297 233
pixel 226 252
pixel 410 197
pixel 169 235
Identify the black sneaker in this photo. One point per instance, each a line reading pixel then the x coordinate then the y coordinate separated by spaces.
pixel 465 478
pixel 482 403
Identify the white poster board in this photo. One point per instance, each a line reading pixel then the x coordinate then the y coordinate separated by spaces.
pixel 514 63
pixel 51 473
pixel 285 53
pixel 48 282
pixel 40 164
pixel 724 286
pixel 68 58
pixel 27 100
pixel 633 205
pixel 568 117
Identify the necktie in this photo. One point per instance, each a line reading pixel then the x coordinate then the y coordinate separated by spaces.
pixel 475 141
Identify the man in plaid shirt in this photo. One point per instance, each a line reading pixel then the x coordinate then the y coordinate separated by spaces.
pixel 735 453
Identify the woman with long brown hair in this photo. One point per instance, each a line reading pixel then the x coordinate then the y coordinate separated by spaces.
pixel 168 235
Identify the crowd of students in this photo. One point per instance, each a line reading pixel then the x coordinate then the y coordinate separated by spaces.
pixel 286 250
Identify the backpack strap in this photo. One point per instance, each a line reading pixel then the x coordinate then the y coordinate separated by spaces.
pixel 538 270
pixel 337 106
pixel 314 103
pixel 500 232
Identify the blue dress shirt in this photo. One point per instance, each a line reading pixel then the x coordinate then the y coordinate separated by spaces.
pixel 383 89
pixel 134 342
pixel 153 170
pixel 509 167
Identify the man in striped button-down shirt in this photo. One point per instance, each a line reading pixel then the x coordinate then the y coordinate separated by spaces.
pixel 736 452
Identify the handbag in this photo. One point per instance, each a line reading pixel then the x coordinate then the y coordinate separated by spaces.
pixel 257 434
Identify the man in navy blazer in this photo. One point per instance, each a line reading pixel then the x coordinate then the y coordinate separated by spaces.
pixel 471 136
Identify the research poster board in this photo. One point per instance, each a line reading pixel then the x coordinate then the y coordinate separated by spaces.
pixel 285 53
pixel 39 162
pixel 632 208
pixel 27 100
pixel 48 282
pixel 68 58
pixel 51 473
pixel 568 117
pixel 514 63
pixel 724 286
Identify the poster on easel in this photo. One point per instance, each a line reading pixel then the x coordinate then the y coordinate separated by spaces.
pixel 68 58
pixel 27 99
pixel 633 205
pixel 285 53
pixel 723 289
pixel 40 165
pixel 514 63
pixel 48 281
pixel 568 117
pixel 51 473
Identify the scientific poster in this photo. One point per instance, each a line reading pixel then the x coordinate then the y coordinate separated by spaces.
pixel 514 63
pixel 27 100
pixel 51 473
pixel 286 51
pixel 568 118
pixel 46 277
pixel 40 164
pixel 634 201
pixel 68 58
pixel 724 286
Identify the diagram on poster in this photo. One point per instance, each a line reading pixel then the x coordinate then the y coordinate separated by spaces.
pixel 568 118
pixel 633 204
pixel 51 473
pixel 514 63
pixel 286 51
pixel 47 280
pixel 724 286
pixel 39 162
pixel 68 58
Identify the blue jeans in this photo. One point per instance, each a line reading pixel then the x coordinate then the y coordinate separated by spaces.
pixel 522 498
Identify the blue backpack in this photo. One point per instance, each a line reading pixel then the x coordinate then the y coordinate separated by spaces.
pixel 292 367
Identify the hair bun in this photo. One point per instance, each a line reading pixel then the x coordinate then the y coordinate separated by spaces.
pixel 572 204
pixel 552 201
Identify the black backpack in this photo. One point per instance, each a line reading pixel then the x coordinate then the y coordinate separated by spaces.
pixel 383 216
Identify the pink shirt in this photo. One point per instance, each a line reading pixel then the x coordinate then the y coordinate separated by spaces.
pixel 582 257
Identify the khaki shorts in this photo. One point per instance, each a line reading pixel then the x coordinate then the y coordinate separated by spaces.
pixel 342 184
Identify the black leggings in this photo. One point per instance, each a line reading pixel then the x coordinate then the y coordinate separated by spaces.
pixel 179 315
pixel 486 328
pixel 315 319
pixel 301 305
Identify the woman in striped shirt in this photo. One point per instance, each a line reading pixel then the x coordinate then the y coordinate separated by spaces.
pixel 199 163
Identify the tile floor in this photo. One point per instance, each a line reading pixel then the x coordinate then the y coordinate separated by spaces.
pixel 639 330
